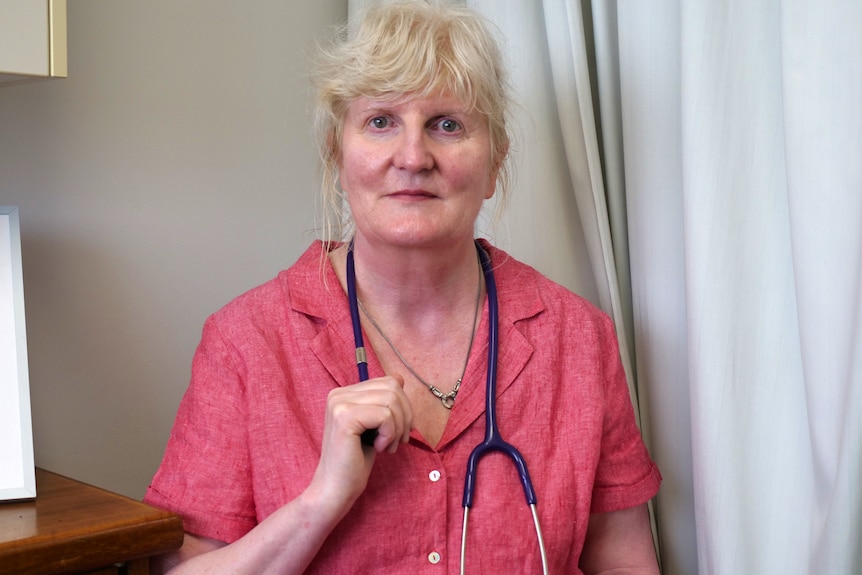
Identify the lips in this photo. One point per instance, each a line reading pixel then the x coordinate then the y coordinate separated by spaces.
pixel 408 194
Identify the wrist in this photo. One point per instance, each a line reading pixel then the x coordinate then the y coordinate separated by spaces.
pixel 326 502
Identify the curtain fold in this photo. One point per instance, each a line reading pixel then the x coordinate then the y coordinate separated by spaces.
pixel 609 119
pixel 570 75
pixel 649 50
pixel 601 208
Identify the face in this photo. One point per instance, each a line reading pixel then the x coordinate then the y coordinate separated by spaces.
pixel 416 171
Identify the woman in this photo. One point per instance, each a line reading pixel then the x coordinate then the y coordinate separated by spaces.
pixel 266 462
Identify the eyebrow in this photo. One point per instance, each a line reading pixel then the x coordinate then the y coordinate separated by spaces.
pixel 378 106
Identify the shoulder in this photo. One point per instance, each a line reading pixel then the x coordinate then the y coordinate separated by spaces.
pixel 530 293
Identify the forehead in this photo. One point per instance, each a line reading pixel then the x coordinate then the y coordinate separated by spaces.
pixel 439 101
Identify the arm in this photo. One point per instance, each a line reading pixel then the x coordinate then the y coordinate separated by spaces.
pixel 619 543
pixel 193 545
pixel 284 543
pixel 288 540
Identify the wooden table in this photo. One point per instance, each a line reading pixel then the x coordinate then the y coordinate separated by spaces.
pixel 72 527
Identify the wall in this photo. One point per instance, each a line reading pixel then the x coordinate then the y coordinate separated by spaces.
pixel 172 171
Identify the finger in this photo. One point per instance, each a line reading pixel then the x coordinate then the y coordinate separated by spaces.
pixel 394 421
pixel 356 419
pixel 375 404
pixel 406 410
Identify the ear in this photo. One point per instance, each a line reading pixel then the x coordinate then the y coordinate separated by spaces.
pixel 492 188
pixel 497 165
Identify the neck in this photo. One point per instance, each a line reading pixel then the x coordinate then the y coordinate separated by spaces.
pixel 415 280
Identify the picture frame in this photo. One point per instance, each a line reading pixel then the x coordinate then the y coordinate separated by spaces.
pixel 17 468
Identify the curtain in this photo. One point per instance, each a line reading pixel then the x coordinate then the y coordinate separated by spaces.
pixel 742 126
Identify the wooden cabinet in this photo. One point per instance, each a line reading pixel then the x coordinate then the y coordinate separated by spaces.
pixel 32 40
pixel 72 527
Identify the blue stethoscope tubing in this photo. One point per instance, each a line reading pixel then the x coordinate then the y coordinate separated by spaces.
pixel 493 440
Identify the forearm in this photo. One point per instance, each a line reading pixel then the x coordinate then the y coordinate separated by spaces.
pixel 619 543
pixel 289 539
pixel 285 542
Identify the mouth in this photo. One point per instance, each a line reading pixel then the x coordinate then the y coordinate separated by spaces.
pixel 412 194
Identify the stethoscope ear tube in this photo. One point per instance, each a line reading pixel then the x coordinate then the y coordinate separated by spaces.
pixel 493 441
pixel 369 435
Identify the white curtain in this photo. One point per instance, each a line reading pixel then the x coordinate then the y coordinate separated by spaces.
pixel 742 124
pixel 731 135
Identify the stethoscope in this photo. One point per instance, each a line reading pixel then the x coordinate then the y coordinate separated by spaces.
pixel 493 441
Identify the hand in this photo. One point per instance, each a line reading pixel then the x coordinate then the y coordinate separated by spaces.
pixel 287 540
pixel 345 463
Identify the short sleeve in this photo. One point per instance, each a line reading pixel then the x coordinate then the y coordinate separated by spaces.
pixel 204 476
pixel 625 476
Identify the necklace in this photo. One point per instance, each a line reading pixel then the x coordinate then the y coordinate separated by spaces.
pixel 447 399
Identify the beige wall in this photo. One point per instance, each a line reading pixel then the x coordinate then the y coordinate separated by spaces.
pixel 170 172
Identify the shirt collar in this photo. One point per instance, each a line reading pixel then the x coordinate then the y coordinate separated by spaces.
pixel 316 292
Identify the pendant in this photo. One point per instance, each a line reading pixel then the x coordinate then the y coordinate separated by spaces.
pixel 447 399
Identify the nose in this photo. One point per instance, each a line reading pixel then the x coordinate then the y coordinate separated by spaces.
pixel 413 151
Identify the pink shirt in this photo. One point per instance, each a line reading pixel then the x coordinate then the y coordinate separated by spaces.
pixel 248 432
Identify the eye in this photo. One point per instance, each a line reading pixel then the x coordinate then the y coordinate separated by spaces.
pixel 379 122
pixel 449 125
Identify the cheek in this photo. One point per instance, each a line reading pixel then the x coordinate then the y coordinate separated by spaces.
pixel 353 170
pixel 357 165
pixel 476 176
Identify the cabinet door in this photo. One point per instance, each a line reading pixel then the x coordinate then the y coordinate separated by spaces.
pixel 32 38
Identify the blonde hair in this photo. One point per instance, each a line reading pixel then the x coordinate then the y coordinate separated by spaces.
pixel 407 48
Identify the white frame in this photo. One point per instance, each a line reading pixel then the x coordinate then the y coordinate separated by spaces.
pixel 17 468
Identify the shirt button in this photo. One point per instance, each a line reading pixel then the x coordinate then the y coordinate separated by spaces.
pixel 434 558
pixel 434 475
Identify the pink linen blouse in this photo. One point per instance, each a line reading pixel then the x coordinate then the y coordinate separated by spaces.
pixel 247 436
